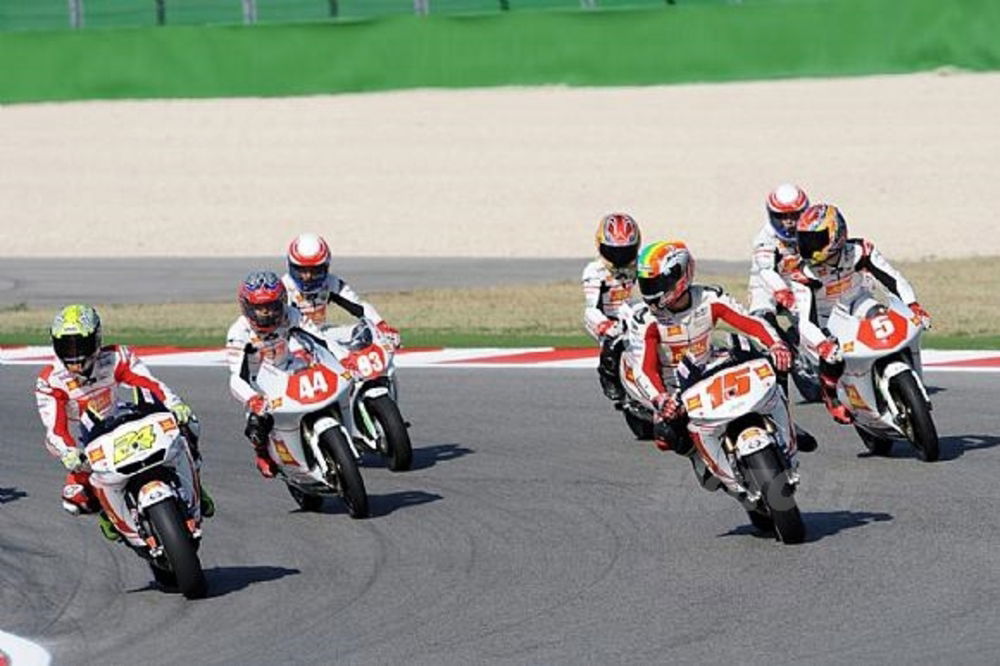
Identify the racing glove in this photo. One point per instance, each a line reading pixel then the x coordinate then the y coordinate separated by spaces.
pixel 667 406
pixel 829 352
pixel 74 460
pixel 182 412
pixel 781 357
pixel 922 314
pixel 609 328
pixel 390 333
pixel 785 298
pixel 257 405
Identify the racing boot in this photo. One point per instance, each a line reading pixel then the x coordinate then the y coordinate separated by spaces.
pixel 107 527
pixel 607 371
pixel 77 497
pixel 837 410
pixel 207 503
pixel 612 387
pixel 804 440
pixel 265 465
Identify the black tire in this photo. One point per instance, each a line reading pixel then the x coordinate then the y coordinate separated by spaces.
pixel 877 446
pixel 766 469
pixel 640 427
pixel 761 522
pixel 179 549
pixel 399 451
pixel 164 578
pixel 341 460
pixel 305 502
pixel 919 425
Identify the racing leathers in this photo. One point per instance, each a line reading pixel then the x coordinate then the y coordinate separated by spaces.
pixel 818 288
pixel 607 291
pixel 658 341
pixel 69 403
pixel 313 305
pixel 246 350
pixel 766 287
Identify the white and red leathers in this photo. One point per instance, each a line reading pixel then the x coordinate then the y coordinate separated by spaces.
pixel 765 280
pixel 606 290
pixel 854 271
pixel 246 349
pixel 63 397
pixel 657 342
pixel 334 290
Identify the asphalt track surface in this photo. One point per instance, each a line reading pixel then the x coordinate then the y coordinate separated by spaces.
pixel 38 282
pixel 533 530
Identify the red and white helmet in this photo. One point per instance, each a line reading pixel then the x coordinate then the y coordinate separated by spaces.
pixel 618 239
pixel 309 262
pixel 785 204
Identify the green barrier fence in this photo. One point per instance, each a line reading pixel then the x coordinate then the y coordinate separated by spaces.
pixel 593 48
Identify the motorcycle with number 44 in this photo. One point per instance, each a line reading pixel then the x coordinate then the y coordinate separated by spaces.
pixel 309 398
pixel 736 408
pixel 882 381
pixel 147 483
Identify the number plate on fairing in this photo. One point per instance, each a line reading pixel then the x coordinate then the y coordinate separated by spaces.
pixel 751 440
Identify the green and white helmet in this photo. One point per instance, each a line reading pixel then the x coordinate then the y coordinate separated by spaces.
pixel 76 337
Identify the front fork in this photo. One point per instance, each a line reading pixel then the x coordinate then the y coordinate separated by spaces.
pixel 884 379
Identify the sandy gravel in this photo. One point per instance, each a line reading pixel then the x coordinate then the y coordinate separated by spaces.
pixel 913 160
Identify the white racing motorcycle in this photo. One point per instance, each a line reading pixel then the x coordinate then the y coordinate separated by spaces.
pixel 736 408
pixel 310 401
pixel 377 422
pixel 146 481
pixel 882 382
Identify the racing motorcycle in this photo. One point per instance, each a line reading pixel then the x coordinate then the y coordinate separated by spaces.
pixel 377 423
pixel 882 380
pixel 309 398
pixel 736 407
pixel 148 485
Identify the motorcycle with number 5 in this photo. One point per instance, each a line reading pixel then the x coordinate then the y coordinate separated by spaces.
pixel 147 483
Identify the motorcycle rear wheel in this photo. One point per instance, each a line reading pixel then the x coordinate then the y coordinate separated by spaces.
pixel 341 461
pixel 399 449
pixel 919 425
pixel 179 548
pixel 766 469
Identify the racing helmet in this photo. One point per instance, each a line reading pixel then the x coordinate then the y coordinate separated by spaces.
pixel 76 338
pixel 785 204
pixel 618 240
pixel 820 233
pixel 665 273
pixel 262 300
pixel 309 262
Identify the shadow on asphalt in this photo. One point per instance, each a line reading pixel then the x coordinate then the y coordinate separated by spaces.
pixel 223 580
pixel 424 457
pixel 819 524
pixel 11 495
pixel 952 448
pixel 378 505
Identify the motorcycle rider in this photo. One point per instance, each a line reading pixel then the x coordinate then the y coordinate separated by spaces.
pixel 608 282
pixel 774 242
pixel 81 385
pixel 311 287
pixel 261 334
pixel 836 269
pixel 677 320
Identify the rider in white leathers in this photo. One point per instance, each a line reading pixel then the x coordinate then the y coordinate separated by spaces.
pixel 261 334
pixel 608 282
pixel 836 269
pixel 677 320
pixel 774 242
pixel 311 287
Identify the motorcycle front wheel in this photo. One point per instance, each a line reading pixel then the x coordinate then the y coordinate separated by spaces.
pixel 768 472
pixel 179 548
pixel 390 422
pixel 918 424
pixel 341 461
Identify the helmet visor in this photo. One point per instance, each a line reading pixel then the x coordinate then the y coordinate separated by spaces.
pixel 812 242
pixel 653 288
pixel 620 257
pixel 784 224
pixel 308 278
pixel 265 316
pixel 75 349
